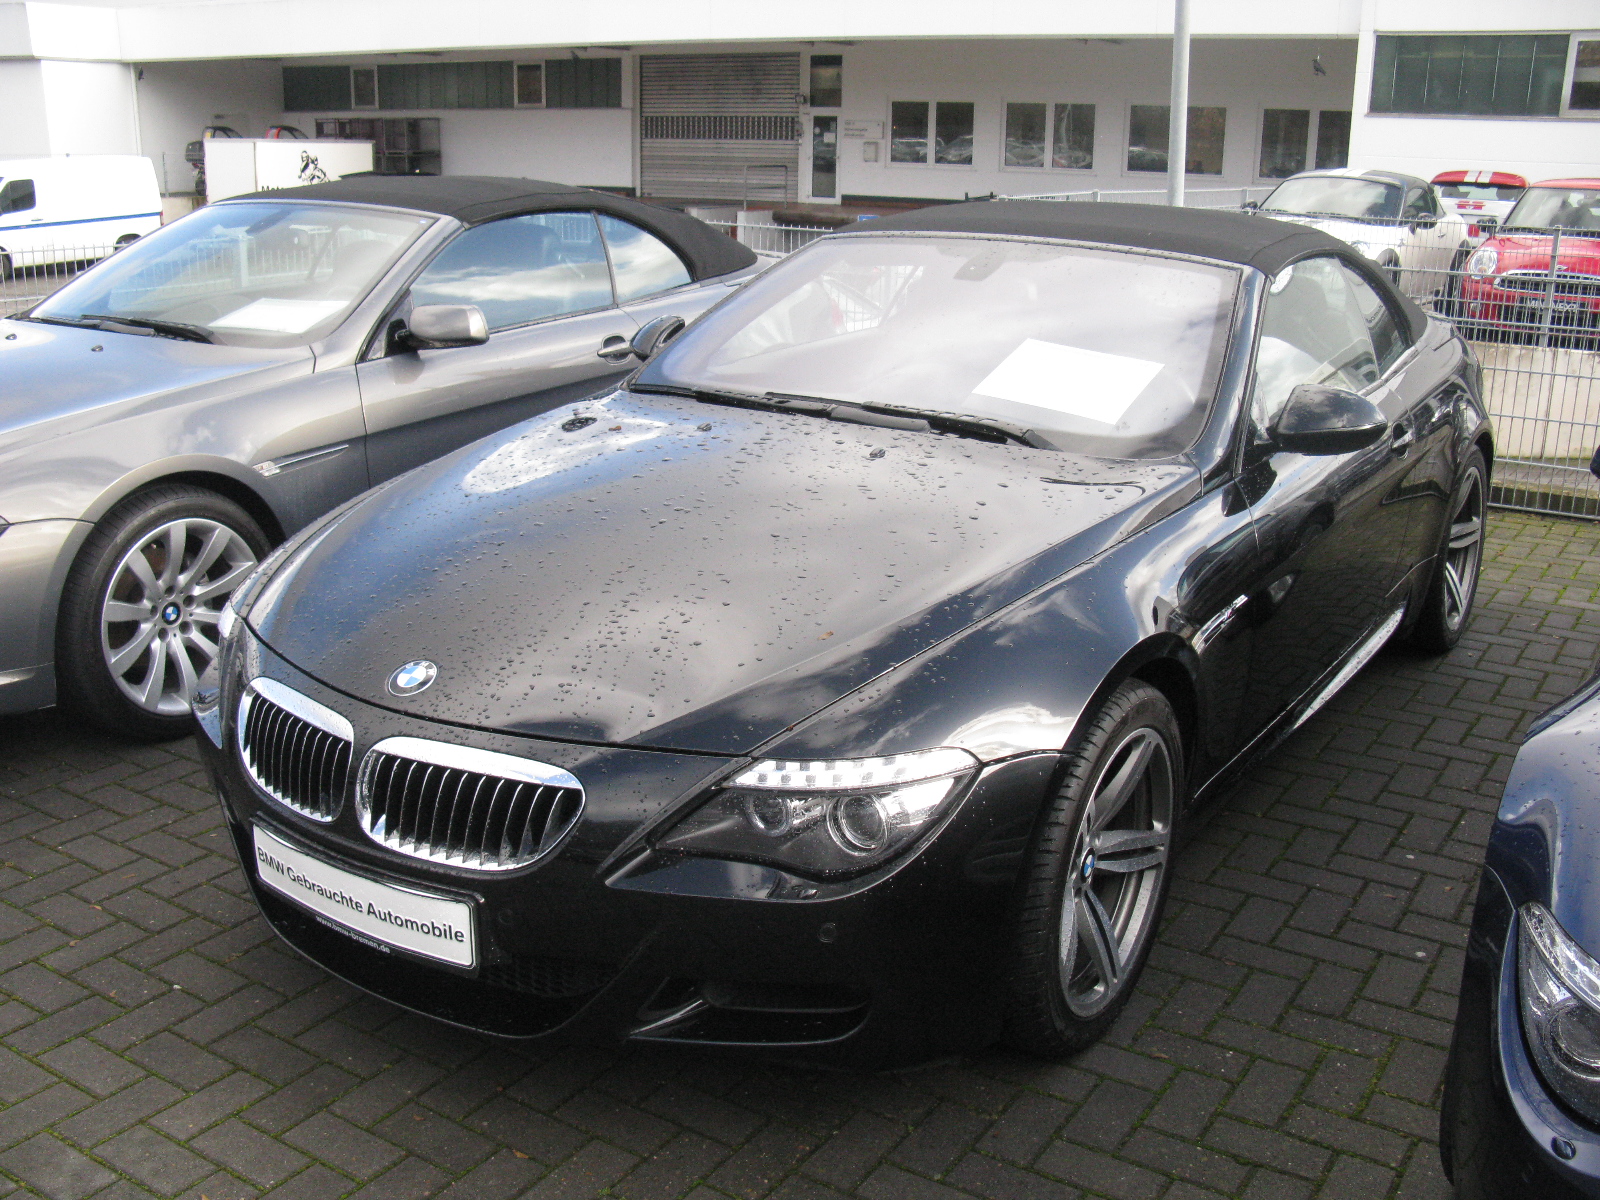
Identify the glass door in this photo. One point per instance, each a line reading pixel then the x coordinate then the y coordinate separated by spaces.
pixel 825 157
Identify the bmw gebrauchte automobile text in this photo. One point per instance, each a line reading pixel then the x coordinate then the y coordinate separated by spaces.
pixel 840 685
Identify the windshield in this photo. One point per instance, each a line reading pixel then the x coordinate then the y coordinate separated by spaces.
pixel 1336 196
pixel 1547 208
pixel 1112 353
pixel 1478 191
pixel 248 274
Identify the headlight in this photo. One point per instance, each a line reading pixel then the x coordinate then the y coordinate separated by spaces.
pixel 1561 1009
pixel 1483 261
pixel 824 818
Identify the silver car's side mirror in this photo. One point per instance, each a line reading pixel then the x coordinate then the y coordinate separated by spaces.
pixel 436 326
pixel 653 335
pixel 1320 420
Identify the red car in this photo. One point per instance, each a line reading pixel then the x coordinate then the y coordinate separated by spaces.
pixel 1477 194
pixel 1509 284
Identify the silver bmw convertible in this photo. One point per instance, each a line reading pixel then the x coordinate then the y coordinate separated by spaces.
pixel 175 411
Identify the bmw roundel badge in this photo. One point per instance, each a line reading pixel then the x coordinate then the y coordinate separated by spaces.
pixel 413 677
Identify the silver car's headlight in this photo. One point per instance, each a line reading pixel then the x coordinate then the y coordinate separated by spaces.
pixel 1560 991
pixel 825 818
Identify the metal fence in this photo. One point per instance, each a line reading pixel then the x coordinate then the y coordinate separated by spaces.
pixel 1532 314
pixel 27 277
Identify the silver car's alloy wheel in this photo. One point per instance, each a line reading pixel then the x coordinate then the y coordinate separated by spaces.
pixel 1115 871
pixel 162 604
pixel 1463 552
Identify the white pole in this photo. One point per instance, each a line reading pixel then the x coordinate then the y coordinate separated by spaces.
pixel 1178 108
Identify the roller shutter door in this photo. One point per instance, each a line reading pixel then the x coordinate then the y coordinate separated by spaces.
pixel 719 126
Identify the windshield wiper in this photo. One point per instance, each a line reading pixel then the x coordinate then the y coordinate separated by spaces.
pixel 177 329
pixel 888 416
pixel 987 428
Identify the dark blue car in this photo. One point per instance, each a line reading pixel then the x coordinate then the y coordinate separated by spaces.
pixel 1522 1090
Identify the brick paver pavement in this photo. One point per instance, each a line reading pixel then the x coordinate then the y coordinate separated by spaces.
pixel 1286 1041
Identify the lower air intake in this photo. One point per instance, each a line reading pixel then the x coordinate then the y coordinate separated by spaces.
pixel 464 807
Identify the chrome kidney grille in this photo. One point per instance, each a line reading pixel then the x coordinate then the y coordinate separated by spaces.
pixel 296 750
pixel 464 807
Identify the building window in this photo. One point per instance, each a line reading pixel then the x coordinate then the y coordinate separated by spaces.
pixel 1074 140
pixel 363 87
pixel 316 89
pixel 1470 75
pixel 530 85
pixel 951 144
pixel 583 83
pixel 1585 93
pixel 827 80
pixel 555 83
pixel 1333 139
pixel 1147 139
pixel 1029 131
pixel 1283 142
pixel 952 132
pixel 1027 143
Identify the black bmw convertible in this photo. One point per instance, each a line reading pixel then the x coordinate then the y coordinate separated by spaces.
pixel 840 686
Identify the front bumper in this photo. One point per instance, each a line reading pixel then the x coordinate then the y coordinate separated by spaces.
pixel 34 557
pixel 1500 1128
pixel 606 941
pixel 1525 311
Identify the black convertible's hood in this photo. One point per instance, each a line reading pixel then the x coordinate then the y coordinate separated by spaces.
pixel 685 575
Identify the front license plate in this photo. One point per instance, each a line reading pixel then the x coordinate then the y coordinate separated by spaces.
pixel 422 923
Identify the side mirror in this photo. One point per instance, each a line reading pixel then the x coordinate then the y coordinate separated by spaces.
pixel 653 335
pixel 1252 205
pixel 1323 420
pixel 436 326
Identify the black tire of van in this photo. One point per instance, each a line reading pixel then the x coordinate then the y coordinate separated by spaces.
pixel 6 269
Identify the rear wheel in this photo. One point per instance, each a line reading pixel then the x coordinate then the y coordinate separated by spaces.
pixel 1094 885
pixel 1448 605
pixel 7 271
pixel 141 606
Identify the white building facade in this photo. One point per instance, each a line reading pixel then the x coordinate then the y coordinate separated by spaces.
pixel 856 103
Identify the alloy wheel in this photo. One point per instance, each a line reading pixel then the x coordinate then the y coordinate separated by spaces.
pixel 1116 870
pixel 159 617
pixel 1463 552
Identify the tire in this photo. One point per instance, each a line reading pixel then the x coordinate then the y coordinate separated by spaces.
pixel 1447 608
pixel 135 633
pixel 7 271
pixel 1092 889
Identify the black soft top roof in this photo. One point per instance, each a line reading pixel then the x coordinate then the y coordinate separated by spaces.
pixel 474 199
pixel 1251 241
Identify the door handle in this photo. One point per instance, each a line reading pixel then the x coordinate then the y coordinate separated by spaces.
pixel 1400 440
pixel 614 349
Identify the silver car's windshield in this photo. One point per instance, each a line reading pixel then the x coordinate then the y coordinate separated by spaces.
pixel 1550 208
pixel 1336 196
pixel 252 273
pixel 1106 352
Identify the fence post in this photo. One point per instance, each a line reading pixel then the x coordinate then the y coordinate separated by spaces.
pixel 1550 290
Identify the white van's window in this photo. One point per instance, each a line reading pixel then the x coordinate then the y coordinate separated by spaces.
pixel 248 274
pixel 17 196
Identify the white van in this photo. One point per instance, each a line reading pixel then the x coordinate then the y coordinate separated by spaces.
pixel 55 210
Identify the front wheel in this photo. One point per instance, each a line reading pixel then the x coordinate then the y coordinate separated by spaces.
pixel 141 606
pixel 1448 604
pixel 1094 884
